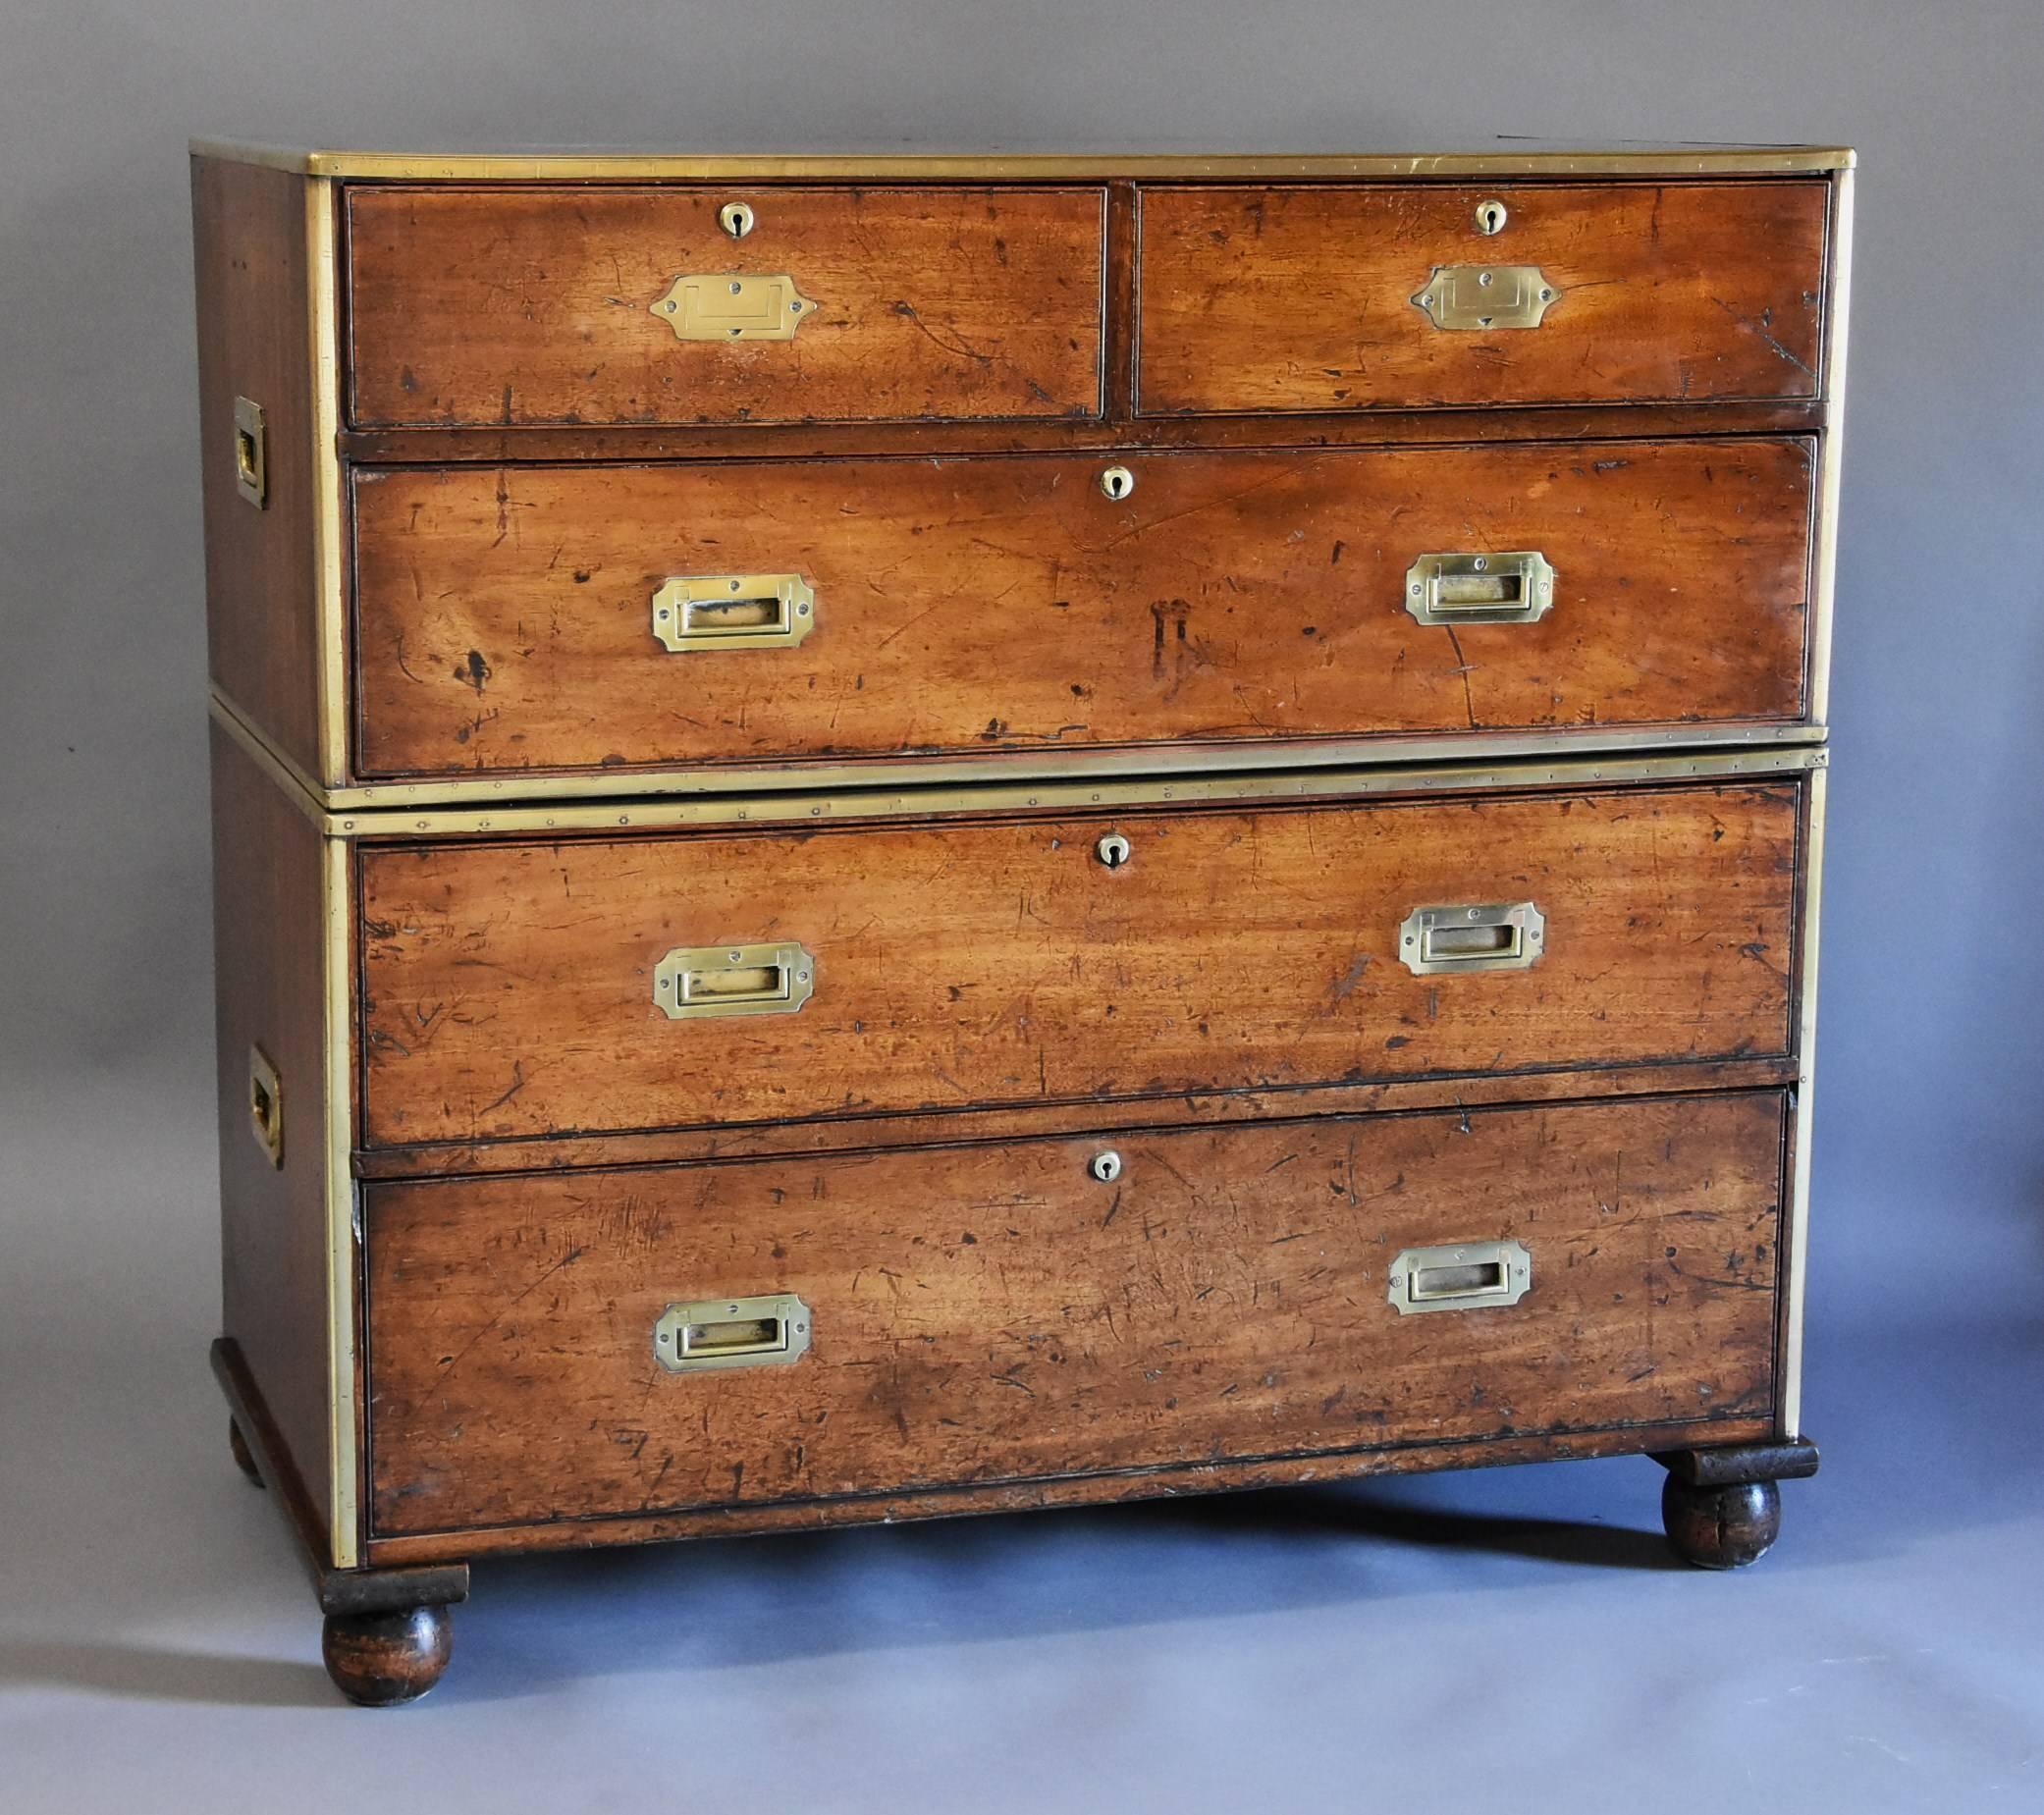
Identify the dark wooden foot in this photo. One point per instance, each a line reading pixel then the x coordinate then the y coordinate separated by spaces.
pixel 1721 1508
pixel 1721 1528
pixel 381 1659
pixel 244 1458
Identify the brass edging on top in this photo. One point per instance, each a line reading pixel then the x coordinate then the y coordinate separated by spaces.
pixel 570 165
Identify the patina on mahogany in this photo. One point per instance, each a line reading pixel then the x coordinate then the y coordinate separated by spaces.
pixel 533 304
pixel 508 989
pixel 1300 297
pixel 503 616
pixel 990 1313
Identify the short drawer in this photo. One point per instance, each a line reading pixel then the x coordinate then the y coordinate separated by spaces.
pixel 525 989
pixel 913 1319
pixel 723 614
pixel 518 306
pixel 1421 294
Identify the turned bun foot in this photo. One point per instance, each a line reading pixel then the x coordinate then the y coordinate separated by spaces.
pixel 1721 1528
pixel 381 1659
pixel 244 1458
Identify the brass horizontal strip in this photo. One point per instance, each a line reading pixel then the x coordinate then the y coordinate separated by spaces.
pixel 582 164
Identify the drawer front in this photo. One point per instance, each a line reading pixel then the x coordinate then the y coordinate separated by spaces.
pixel 958 607
pixel 514 306
pixel 518 989
pixel 995 1313
pixel 1304 298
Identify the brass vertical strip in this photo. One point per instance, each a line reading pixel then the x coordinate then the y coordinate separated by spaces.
pixel 1829 455
pixel 341 1397
pixel 1790 1398
pixel 328 550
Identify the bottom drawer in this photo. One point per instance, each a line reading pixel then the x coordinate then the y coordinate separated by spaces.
pixel 1000 1312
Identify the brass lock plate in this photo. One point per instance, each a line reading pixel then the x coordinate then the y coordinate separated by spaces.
pixel 1490 935
pixel 711 1333
pixel 694 982
pixel 733 307
pixel 1484 296
pixel 733 610
pixel 1460 1276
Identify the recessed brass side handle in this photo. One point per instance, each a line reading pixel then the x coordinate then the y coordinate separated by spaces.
pixel 1460 1276
pixel 1490 935
pixel 1481 298
pixel 1515 587
pixel 266 1105
pixel 708 1333
pixel 700 982
pixel 733 610
pixel 251 453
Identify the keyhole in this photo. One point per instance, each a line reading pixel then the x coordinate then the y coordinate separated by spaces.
pixel 1118 482
pixel 1491 216
pixel 736 218
pixel 1113 850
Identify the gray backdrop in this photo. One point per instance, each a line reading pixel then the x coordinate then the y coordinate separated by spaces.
pixel 142 1585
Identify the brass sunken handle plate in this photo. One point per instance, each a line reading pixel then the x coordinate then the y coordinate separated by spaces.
pixel 699 982
pixel 1510 588
pixel 1479 297
pixel 1491 935
pixel 251 453
pixel 709 1333
pixel 266 1105
pixel 1460 1276
pixel 733 307
pixel 733 610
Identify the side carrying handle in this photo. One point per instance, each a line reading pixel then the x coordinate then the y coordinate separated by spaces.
pixel 711 1333
pixel 1513 588
pixel 1460 1276
pixel 1490 935
pixel 733 610
pixel 696 982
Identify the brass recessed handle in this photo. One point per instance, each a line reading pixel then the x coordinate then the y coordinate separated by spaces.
pixel 266 1105
pixel 700 982
pixel 1490 935
pixel 725 305
pixel 733 610
pixel 1514 587
pixel 1480 298
pixel 708 1333
pixel 1460 1276
pixel 251 453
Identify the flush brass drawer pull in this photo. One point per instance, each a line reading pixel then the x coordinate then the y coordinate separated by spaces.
pixel 1514 588
pixel 1460 1276
pixel 733 610
pixel 697 982
pixel 251 452
pixel 709 1333
pixel 266 1105
pixel 1480 298
pixel 1492 936
pixel 733 307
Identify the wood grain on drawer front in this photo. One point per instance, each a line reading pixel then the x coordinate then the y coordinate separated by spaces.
pixel 987 1313
pixel 1302 298
pixel 514 306
pixel 505 615
pixel 510 988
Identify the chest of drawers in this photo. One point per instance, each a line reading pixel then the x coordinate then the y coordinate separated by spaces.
pixel 899 836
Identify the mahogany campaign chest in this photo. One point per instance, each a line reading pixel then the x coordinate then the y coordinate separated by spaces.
pixel 908 836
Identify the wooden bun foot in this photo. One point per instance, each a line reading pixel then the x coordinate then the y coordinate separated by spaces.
pixel 244 1458
pixel 1721 1528
pixel 381 1659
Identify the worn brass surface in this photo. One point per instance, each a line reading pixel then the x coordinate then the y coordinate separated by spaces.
pixel 328 534
pixel 1498 935
pixel 694 982
pixel 713 1333
pixel 1460 1276
pixel 1479 298
pixel 1509 588
pixel 251 452
pixel 266 1105
pixel 343 1225
pixel 1788 1398
pixel 733 610
pixel 733 307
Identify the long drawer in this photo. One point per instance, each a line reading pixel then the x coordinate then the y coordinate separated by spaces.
pixel 537 1348
pixel 531 987
pixel 649 303
pixel 1414 296
pixel 565 617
